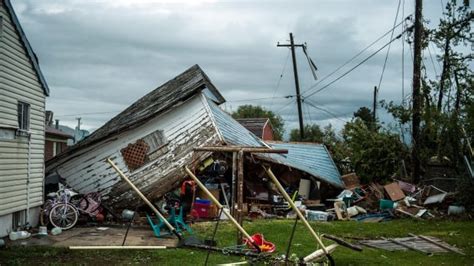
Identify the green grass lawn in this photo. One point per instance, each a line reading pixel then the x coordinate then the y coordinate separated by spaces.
pixel 458 233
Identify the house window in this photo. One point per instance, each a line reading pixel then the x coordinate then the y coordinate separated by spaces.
pixel 23 116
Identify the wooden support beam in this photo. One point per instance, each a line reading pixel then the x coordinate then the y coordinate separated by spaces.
pixel 295 209
pixel 155 210
pixel 240 193
pixel 219 205
pixel 234 182
pixel 240 148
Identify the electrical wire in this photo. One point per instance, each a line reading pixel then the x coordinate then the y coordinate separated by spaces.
pixel 281 76
pixel 335 116
pixel 258 99
pixel 356 66
pixel 432 61
pixel 96 113
pixel 388 49
pixel 354 57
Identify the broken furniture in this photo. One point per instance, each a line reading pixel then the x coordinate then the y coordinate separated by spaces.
pixel 176 220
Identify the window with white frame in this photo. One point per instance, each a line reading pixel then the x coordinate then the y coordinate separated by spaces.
pixel 23 116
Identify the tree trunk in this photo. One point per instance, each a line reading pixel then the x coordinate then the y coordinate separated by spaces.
pixel 444 73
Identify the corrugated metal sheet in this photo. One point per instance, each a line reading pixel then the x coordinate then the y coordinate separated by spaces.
pixel 19 81
pixel 313 159
pixel 231 130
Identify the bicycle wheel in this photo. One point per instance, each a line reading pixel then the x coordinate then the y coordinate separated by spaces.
pixel 44 213
pixel 63 216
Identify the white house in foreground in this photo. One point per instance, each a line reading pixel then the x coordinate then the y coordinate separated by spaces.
pixel 22 110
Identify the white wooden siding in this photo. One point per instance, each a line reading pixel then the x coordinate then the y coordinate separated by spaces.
pixel 19 82
pixel 184 128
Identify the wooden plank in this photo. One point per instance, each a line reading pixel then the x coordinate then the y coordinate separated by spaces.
pixel 447 247
pixel 342 242
pixel 407 246
pixel 394 191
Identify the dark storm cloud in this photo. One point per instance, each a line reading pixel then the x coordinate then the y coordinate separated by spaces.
pixel 100 56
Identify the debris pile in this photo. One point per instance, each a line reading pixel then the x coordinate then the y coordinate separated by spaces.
pixel 375 202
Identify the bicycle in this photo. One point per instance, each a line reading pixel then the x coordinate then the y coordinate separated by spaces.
pixel 62 209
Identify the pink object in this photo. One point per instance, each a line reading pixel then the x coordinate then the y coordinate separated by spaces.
pixel 407 187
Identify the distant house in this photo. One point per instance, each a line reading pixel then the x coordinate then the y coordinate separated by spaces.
pixel 22 114
pixel 55 143
pixel 56 140
pixel 153 139
pixel 260 127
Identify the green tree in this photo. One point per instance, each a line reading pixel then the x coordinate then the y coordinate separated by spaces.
pixel 252 111
pixel 312 133
pixel 375 155
pixel 366 115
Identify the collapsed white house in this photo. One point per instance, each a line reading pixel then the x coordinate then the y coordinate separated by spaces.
pixel 153 139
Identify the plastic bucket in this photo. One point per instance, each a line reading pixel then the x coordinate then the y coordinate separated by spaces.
pixel 386 204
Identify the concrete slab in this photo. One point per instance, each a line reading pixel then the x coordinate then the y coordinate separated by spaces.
pixel 98 236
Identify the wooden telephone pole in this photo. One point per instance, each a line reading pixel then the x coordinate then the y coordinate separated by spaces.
pixel 417 100
pixel 292 45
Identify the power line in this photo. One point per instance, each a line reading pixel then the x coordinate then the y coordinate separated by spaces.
pixel 388 49
pixel 355 56
pixel 356 66
pixel 432 61
pixel 97 113
pixel 335 116
pixel 281 77
pixel 263 98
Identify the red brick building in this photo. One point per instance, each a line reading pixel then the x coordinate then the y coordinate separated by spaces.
pixel 260 127
pixel 56 142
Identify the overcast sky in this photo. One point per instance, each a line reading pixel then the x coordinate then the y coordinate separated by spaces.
pixel 99 56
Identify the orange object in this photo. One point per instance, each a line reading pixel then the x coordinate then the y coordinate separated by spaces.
pixel 264 245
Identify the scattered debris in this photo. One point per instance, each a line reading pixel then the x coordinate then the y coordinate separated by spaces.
pixel 424 244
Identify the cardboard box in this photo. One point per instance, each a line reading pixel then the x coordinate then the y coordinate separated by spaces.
pixel 215 192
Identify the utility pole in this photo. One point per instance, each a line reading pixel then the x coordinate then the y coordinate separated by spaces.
pixel 417 100
pixel 79 123
pixel 292 45
pixel 374 111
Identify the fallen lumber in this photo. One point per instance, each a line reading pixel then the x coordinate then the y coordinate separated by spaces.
pixel 342 242
pixel 437 244
pixel 406 246
pixel 117 247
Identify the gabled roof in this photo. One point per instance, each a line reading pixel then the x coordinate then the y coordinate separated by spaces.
pixel 26 44
pixel 313 159
pixel 56 132
pixel 254 125
pixel 171 94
